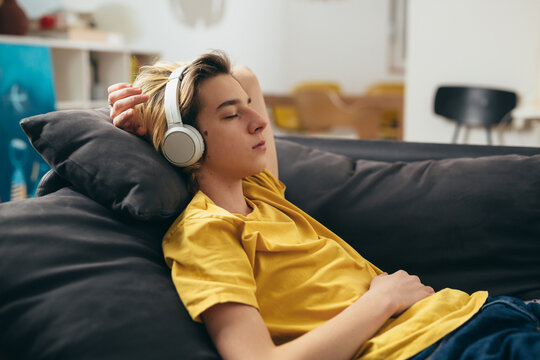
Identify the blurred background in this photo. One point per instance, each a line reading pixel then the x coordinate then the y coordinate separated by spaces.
pixel 371 67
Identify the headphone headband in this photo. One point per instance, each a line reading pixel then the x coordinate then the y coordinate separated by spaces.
pixel 172 111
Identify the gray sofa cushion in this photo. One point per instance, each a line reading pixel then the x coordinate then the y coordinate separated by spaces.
pixel 113 167
pixel 466 223
pixel 78 281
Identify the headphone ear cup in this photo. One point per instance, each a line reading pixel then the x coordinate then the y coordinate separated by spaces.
pixel 183 145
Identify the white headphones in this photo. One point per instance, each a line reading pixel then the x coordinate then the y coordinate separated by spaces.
pixel 183 145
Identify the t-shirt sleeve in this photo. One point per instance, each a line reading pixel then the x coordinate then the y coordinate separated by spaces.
pixel 266 180
pixel 209 265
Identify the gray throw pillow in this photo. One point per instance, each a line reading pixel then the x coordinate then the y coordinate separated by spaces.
pixel 119 170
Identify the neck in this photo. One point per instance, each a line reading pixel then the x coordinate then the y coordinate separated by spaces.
pixel 224 192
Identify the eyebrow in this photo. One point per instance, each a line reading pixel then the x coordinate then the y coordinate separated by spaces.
pixel 230 102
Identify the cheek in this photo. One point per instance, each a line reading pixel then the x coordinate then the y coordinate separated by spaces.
pixel 221 142
pixel 213 144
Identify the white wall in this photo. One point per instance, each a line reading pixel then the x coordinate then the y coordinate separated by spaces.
pixel 284 41
pixel 493 43
pixel 35 8
pixel 340 40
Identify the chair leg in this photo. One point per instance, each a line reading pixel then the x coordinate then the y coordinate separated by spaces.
pixel 488 133
pixel 456 132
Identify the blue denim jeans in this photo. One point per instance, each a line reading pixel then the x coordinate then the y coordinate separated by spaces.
pixel 504 328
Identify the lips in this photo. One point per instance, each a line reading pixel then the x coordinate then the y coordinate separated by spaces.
pixel 261 145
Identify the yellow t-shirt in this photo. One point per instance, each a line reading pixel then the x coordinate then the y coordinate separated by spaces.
pixel 294 270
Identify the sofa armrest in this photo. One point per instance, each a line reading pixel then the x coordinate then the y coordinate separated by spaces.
pixel 50 182
pixel 390 151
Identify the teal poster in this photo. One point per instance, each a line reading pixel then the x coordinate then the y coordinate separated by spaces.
pixel 26 89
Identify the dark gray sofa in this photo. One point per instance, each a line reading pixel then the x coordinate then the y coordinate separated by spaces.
pixel 81 269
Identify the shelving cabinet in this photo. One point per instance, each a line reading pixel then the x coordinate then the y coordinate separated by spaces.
pixel 84 70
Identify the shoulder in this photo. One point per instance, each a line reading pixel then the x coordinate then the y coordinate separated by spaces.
pixel 199 233
pixel 200 215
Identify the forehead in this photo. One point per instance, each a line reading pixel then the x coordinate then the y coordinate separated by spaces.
pixel 217 89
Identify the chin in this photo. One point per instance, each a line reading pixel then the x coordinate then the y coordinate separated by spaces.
pixel 261 168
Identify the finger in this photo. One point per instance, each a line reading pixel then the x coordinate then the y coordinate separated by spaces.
pixel 122 105
pixel 123 94
pixel 141 131
pixel 115 87
pixel 124 119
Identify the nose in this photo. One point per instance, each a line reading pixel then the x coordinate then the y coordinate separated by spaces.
pixel 257 123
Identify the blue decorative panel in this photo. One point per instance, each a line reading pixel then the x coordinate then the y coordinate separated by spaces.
pixel 26 89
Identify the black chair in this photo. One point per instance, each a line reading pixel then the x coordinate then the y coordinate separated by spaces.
pixel 471 106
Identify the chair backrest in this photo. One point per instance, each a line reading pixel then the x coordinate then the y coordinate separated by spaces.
pixel 323 85
pixel 383 88
pixel 474 106
pixel 320 109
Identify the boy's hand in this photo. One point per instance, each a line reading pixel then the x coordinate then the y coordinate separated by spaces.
pixel 122 99
pixel 401 289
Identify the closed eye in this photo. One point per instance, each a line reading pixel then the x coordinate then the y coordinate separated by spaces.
pixel 231 116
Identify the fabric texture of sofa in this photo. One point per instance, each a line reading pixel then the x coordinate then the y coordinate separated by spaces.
pixel 82 274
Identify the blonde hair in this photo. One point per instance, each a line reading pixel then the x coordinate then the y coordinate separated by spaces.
pixel 152 79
